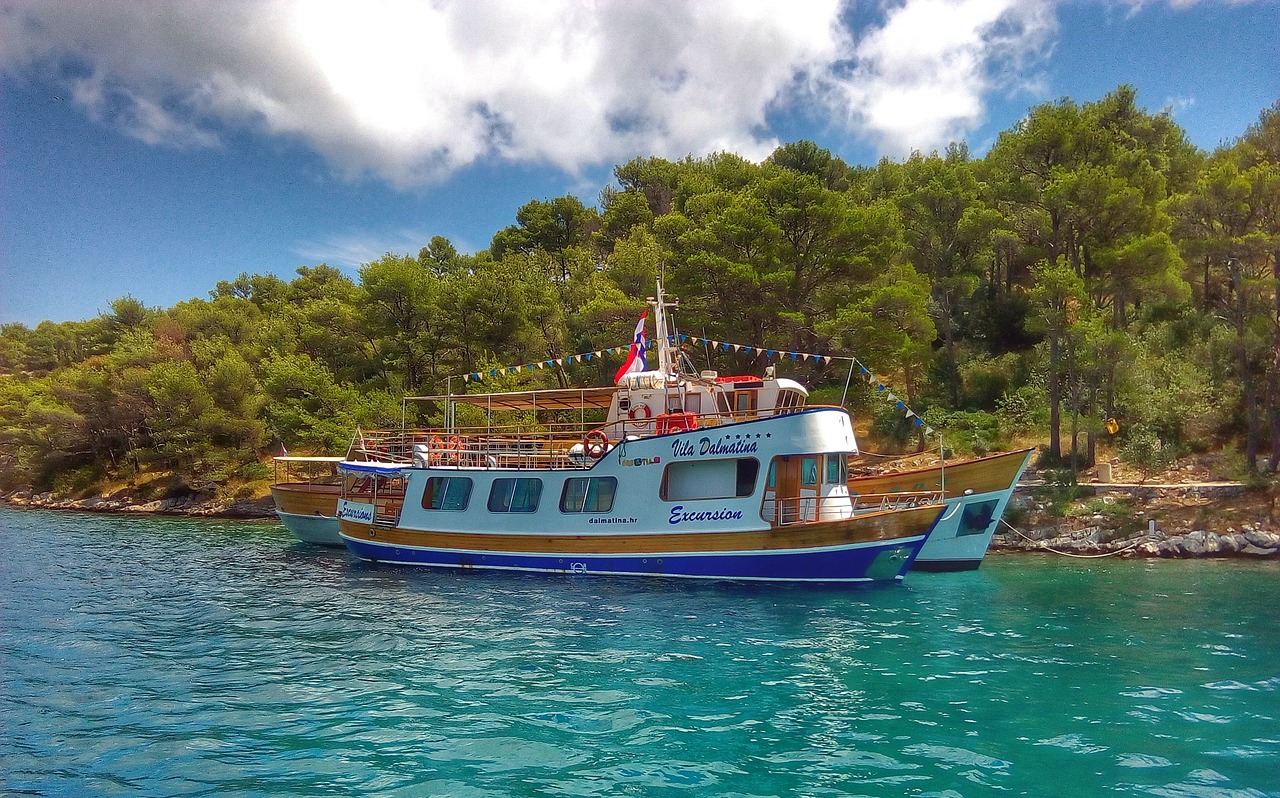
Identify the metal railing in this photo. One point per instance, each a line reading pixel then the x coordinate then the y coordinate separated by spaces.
pixel 554 445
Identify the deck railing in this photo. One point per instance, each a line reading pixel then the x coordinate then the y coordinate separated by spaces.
pixel 809 509
pixel 554 445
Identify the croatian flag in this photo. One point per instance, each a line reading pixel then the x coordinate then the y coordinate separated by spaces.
pixel 635 358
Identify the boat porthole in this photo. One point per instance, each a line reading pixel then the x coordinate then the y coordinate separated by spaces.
pixel 373 533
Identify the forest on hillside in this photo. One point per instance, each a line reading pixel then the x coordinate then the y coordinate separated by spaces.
pixel 1094 265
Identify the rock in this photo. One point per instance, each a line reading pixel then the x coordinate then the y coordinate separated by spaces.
pixel 1212 543
pixel 1148 549
pixel 1263 540
pixel 1197 536
pixel 1257 551
pixel 1191 546
pixel 1231 544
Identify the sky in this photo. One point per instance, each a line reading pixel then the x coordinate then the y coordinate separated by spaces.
pixel 151 148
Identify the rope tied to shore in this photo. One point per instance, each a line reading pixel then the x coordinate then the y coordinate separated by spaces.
pixel 1044 547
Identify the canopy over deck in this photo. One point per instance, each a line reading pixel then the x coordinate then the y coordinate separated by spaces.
pixel 545 399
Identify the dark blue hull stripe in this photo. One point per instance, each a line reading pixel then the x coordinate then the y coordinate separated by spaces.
pixel 887 561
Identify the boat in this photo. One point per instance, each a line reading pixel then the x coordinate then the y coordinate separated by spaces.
pixel 670 472
pixel 975 493
pixel 306 492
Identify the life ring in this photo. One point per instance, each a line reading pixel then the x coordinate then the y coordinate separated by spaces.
pixel 595 444
pixel 642 412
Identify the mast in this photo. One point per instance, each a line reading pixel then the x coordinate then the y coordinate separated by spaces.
pixel 666 363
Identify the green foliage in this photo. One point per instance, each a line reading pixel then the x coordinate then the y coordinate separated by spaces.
pixel 971 431
pixel 1093 264
pixel 1144 449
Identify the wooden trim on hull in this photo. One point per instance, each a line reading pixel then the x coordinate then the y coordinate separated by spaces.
pixel 983 475
pixel 305 498
pixel 869 528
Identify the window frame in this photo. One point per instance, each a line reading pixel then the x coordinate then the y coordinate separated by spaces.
pixel 505 504
pixel 590 490
pixel 448 481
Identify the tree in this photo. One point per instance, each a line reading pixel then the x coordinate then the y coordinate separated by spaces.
pixel 1057 298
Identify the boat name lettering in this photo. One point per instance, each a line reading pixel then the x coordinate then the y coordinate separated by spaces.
pixel 640 461
pixel 706 446
pixel 355 511
pixel 612 521
pixel 679 515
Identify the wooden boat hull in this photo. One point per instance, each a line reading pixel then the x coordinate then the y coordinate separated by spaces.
pixel 874 547
pixel 309 511
pixel 977 493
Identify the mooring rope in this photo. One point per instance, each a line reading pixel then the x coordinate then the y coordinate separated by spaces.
pixel 1044 547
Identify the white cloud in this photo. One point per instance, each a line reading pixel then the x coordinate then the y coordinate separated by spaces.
pixel 354 249
pixel 919 80
pixel 412 91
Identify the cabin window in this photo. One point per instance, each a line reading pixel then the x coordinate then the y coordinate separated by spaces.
pixel 710 479
pixel 837 469
pixel 446 493
pixel 789 400
pixel 518 495
pixel 744 401
pixel 809 471
pixel 588 494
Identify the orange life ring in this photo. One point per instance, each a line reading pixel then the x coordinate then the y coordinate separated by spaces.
pixel 437 443
pixel 639 411
pixel 596 443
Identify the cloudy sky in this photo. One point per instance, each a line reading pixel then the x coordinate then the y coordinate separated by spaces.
pixel 153 148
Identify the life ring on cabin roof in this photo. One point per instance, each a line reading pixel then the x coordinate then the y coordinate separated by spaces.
pixel 642 412
pixel 595 444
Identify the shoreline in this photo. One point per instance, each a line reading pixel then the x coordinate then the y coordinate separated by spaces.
pixel 192 506
pixel 1091 536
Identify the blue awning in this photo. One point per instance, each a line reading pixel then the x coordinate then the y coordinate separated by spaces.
pixel 389 469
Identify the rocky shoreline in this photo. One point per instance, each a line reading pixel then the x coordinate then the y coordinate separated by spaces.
pixel 1162 520
pixel 193 505
pixel 1249 541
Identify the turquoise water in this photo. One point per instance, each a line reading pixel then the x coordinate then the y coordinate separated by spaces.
pixel 147 656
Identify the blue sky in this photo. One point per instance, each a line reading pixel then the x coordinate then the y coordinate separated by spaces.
pixel 153 148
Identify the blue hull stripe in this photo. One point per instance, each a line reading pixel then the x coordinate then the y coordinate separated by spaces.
pixel 886 561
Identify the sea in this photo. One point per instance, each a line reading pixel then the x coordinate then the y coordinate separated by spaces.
pixel 148 656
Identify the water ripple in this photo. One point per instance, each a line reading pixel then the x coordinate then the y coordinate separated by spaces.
pixel 177 657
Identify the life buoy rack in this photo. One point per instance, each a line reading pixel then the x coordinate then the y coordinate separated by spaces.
pixel 640 412
pixel 595 444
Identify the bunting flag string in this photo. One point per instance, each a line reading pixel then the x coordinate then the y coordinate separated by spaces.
pixel 581 357
pixel 872 379
pixel 724 346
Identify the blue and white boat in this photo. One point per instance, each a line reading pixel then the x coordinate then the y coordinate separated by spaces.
pixel 667 473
